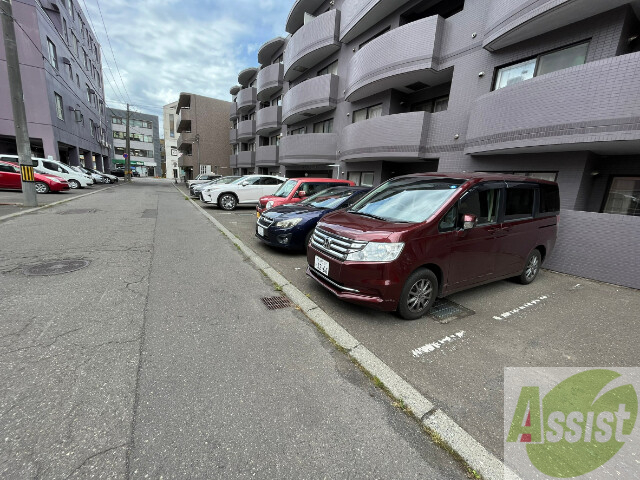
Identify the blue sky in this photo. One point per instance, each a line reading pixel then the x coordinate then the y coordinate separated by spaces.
pixel 163 47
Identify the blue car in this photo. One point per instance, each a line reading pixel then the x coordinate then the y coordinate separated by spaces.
pixel 291 226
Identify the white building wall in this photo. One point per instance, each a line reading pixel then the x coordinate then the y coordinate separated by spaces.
pixel 171 139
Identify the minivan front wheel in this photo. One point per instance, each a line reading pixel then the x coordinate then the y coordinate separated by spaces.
pixel 531 268
pixel 418 295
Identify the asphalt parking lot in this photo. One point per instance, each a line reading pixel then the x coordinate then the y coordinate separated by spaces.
pixel 457 359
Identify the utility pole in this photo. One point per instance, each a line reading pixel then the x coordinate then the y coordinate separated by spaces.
pixel 198 143
pixel 127 161
pixel 17 103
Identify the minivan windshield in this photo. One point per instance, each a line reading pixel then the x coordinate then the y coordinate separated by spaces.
pixel 407 199
pixel 286 188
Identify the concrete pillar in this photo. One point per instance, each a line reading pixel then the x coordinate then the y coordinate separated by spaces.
pixel 99 166
pixel 106 163
pixel 89 160
pixel 74 156
pixel 50 147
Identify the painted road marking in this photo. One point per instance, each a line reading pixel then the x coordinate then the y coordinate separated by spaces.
pixel 430 347
pixel 505 315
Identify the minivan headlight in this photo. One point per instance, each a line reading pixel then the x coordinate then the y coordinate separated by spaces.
pixel 292 222
pixel 377 252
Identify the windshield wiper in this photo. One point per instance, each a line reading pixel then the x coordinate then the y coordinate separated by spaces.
pixel 369 215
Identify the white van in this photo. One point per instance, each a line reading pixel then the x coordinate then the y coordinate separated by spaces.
pixel 53 167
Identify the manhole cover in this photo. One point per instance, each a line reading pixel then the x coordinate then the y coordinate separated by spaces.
pixel 56 268
pixel 78 211
pixel 273 303
pixel 444 311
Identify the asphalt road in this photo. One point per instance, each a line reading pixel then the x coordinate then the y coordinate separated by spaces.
pixel 159 360
pixel 561 321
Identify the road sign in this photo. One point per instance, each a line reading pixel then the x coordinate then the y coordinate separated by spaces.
pixel 125 155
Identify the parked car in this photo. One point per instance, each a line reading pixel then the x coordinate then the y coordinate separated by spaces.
pixel 109 178
pixel 202 178
pixel 296 189
pixel 243 191
pixel 58 169
pixel 418 237
pixel 11 178
pixel 196 190
pixel 290 226
pixel 97 178
pixel 117 172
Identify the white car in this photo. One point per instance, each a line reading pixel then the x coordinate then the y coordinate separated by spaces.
pixel 202 178
pixel 53 167
pixel 94 176
pixel 246 190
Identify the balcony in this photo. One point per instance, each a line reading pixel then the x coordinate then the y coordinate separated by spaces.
pixel 307 99
pixel 246 100
pixel 295 20
pixel 523 19
pixel 392 137
pixel 233 161
pixel 246 130
pixel 311 44
pixel 270 80
pixel 184 125
pixel 233 111
pixel 268 50
pixel 246 75
pixel 185 142
pixel 186 161
pixel 404 59
pixel 592 107
pixel 357 19
pixel 267 156
pixel 308 149
pixel 184 102
pixel 246 159
pixel 233 136
pixel 268 120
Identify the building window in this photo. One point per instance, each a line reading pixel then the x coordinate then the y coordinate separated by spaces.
pixel 280 59
pixel 545 63
pixel 174 152
pixel 59 107
pixel 172 132
pixel 116 120
pixel 298 131
pixel 323 127
pixel 277 101
pixel 623 197
pixel 363 179
pixel 88 93
pixel 433 105
pixel 331 68
pixel 66 30
pixel 380 33
pixel 78 79
pixel 367 113
pixel 53 54
pixel 275 140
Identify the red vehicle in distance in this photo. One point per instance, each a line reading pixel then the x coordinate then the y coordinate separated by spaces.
pixel 11 179
pixel 295 190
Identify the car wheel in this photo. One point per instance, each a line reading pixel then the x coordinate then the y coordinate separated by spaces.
pixel 107 180
pixel 74 184
pixel 531 268
pixel 418 295
pixel 42 187
pixel 228 201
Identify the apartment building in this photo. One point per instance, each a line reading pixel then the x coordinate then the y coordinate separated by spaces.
pixel 61 68
pixel 372 89
pixel 144 141
pixel 171 120
pixel 203 135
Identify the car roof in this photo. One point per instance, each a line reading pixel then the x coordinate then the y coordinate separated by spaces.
pixel 479 176
pixel 320 179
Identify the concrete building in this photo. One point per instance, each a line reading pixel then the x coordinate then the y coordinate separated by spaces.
pixel 372 89
pixel 61 68
pixel 171 120
pixel 203 135
pixel 144 136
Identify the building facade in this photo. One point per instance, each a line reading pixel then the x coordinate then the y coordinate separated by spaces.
pixel 171 120
pixel 144 135
pixel 62 79
pixel 203 135
pixel 372 89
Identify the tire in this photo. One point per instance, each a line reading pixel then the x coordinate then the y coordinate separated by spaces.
pixel 531 268
pixel 74 184
pixel 42 187
pixel 418 295
pixel 228 201
pixel 107 180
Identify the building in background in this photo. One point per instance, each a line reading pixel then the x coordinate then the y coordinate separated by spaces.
pixel 170 123
pixel 63 85
pixel 372 90
pixel 163 158
pixel 144 141
pixel 203 135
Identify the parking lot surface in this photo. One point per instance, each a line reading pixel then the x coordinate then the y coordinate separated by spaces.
pixel 457 359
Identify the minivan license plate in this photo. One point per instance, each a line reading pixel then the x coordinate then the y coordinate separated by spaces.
pixel 322 266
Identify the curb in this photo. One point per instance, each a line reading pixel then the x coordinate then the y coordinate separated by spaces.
pixel 436 422
pixel 31 210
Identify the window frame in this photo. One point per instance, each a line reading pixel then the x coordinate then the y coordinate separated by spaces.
pixel 60 107
pixel 368 110
pixel 53 54
pixel 610 182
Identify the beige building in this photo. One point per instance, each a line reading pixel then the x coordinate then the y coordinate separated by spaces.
pixel 203 141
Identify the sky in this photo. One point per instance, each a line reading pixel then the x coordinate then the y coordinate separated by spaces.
pixel 164 47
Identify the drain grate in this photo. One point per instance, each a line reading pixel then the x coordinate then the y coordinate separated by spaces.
pixel 57 267
pixel 444 311
pixel 274 303
pixel 78 211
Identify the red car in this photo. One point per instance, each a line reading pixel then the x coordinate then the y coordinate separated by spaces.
pixel 423 236
pixel 295 190
pixel 10 178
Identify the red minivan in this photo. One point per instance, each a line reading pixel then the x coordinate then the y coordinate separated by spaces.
pixel 295 190
pixel 423 236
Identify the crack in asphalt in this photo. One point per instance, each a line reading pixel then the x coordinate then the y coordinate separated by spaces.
pixel 97 454
pixel 39 345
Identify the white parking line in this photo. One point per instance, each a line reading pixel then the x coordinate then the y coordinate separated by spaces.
pixel 430 347
pixel 505 315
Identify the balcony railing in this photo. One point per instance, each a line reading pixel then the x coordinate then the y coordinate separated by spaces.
pixel 313 97
pixel 246 130
pixel 268 120
pixel 309 149
pixel 246 159
pixel 270 80
pixel 246 100
pixel 358 17
pixel 267 156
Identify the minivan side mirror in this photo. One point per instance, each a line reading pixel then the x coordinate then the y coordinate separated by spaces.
pixel 469 221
